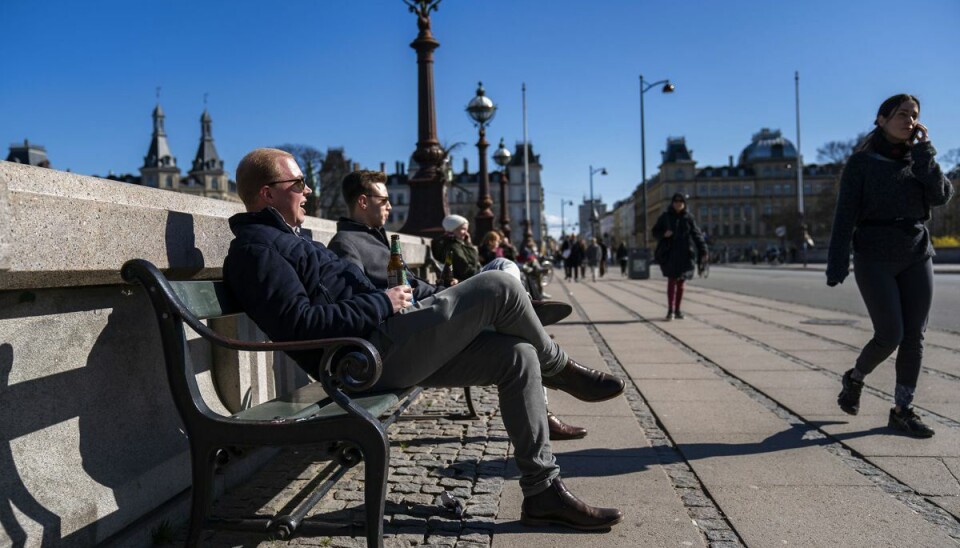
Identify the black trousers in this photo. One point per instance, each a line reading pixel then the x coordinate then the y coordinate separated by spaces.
pixel 898 298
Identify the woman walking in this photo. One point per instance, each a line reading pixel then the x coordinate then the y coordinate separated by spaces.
pixel 680 248
pixel 886 191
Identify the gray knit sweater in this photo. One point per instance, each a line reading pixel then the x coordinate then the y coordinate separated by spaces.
pixel 875 190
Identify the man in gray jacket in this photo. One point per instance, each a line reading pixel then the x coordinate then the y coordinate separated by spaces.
pixel 362 240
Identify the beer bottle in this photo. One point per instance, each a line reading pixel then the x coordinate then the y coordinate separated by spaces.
pixel 446 276
pixel 396 273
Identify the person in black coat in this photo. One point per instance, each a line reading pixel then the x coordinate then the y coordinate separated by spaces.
pixel 680 248
pixel 887 189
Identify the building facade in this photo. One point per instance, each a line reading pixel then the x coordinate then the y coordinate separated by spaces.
pixel 741 206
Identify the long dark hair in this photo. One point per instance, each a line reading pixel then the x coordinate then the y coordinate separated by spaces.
pixel 887 108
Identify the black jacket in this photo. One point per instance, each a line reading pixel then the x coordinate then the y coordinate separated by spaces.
pixel 875 191
pixel 295 288
pixel 686 243
pixel 369 249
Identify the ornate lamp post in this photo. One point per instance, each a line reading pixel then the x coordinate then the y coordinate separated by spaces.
pixel 563 220
pixel 645 87
pixel 428 193
pixel 593 205
pixel 481 110
pixel 502 157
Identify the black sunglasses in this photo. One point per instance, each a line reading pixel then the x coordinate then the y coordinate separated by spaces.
pixel 298 184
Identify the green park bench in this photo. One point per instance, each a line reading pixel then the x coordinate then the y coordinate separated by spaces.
pixel 335 410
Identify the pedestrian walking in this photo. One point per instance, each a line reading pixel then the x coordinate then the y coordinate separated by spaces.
pixel 577 252
pixel 887 189
pixel 594 252
pixel 680 249
pixel 622 258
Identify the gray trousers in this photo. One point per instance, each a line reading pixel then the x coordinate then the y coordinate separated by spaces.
pixel 481 331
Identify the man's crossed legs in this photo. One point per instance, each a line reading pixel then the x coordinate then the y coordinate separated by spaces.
pixel 484 331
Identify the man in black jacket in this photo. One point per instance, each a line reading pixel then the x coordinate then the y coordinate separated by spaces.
pixel 481 331
pixel 362 240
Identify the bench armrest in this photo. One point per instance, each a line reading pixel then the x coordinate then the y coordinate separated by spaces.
pixel 350 363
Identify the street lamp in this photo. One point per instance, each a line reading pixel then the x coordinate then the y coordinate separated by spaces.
pixel 502 157
pixel 481 110
pixel 645 87
pixel 563 221
pixel 593 205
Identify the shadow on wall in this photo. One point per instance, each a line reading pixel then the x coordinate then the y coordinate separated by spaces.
pixel 129 432
pixel 183 256
pixel 15 494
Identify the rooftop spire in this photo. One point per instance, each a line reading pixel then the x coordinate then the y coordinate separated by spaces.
pixel 158 154
pixel 207 158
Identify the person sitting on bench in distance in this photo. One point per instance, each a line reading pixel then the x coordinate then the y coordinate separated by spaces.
pixel 481 331
pixel 362 240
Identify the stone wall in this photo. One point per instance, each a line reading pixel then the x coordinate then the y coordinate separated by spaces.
pixel 90 438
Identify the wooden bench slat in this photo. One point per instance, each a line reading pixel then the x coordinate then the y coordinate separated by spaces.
pixel 205 299
pixel 304 403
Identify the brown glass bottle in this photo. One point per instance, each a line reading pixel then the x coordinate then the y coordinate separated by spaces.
pixel 396 273
pixel 446 276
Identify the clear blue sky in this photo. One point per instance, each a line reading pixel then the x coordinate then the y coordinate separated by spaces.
pixel 80 77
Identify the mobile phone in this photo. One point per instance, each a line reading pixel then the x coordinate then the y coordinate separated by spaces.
pixel 916 134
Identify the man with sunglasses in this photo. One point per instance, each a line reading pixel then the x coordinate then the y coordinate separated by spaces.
pixel 482 331
pixel 362 240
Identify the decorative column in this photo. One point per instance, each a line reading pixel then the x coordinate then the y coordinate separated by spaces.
pixel 428 192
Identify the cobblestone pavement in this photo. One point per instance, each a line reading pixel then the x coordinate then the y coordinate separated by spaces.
pixel 465 458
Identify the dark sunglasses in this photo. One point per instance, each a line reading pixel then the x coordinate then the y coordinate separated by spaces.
pixel 298 184
pixel 384 200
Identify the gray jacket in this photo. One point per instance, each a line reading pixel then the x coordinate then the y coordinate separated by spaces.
pixel 369 249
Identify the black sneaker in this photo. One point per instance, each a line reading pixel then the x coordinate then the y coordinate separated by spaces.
pixel 678 315
pixel 909 423
pixel 669 316
pixel 849 398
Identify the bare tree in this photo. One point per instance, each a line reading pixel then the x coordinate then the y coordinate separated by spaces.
pixel 837 152
pixel 309 159
pixel 950 160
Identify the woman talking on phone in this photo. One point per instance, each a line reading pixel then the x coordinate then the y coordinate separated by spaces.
pixel 887 189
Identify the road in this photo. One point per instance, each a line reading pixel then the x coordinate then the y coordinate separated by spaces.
pixel 809 287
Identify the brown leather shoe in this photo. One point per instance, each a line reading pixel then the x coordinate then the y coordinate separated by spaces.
pixel 584 383
pixel 557 506
pixel 551 312
pixel 560 430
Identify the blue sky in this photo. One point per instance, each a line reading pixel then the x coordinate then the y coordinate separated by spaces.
pixel 80 77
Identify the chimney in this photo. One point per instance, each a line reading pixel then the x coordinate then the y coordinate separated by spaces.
pixel 383 167
pixel 465 170
pixel 731 160
pixel 403 168
pixel 356 166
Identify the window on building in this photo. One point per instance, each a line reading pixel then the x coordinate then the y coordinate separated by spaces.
pixel 787 188
pixel 725 190
pixel 737 228
pixel 747 230
pixel 716 211
pixel 215 183
pixel 746 189
pixel 767 209
pixel 169 181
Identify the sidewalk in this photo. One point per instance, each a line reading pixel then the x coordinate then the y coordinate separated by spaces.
pixel 728 435
pixel 949 268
